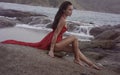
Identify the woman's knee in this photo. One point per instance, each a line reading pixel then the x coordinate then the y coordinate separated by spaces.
pixel 57 46
pixel 75 40
pixel 74 37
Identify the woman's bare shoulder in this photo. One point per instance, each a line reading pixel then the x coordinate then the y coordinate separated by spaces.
pixel 62 21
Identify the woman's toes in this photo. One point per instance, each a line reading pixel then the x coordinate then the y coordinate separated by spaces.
pixel 95 67
pixel 79 62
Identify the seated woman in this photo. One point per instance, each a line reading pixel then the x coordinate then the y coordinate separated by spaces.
pixel 54 42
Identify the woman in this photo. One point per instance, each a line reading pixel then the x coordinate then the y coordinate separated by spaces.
pixel 54 42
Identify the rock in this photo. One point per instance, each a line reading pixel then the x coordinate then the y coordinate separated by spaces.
pixel 49 25
pixel 23 60
pixel 111 61
pixel 40 20
pixel 16 13
pixel 114 67
pixel 117 26
pixel 6 22
pixel 117 40
pixel 97 30
pixel 108 35
pixel 60 54
pixel 95 55
pixel 104 44
pixel 24 20
pixel 117 46
pixel 108 58
pixel 33 20
pixel 91 23
pixel 71 26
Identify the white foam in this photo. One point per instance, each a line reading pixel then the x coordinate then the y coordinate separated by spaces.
pixel 82 37
pixel 84 18
pixel 97 18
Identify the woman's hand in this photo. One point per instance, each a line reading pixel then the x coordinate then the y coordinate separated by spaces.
pixel 51 53
pixel 60 25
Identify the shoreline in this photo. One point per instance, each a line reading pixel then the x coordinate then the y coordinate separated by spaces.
pixel 22 34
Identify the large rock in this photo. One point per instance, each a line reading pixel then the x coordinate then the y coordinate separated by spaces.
pixel 71 26
pixel 117 40
pixel 97 30
pixel 104 44
pixel 21 60
pixel 40 20
pixel 28 61
pixel 11 17
pixel 35 20
pixel 16 13
pixel 112 61
pixel 7 22
pixel 117 46
pixel 95 55
pixel 108 58
pixel 110 6
pixel 108 35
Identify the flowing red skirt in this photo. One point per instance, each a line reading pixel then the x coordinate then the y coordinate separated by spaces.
pixel 43 44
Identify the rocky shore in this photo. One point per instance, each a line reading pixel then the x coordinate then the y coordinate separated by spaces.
pixel 16 59
pixel 20 60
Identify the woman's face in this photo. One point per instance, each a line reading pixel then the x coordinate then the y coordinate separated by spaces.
pixel 68 11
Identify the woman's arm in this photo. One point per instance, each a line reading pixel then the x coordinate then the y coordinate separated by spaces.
pixel 55 35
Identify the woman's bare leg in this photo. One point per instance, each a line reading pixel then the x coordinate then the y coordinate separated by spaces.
pixel 65 42
pixel 64 45
pixel 82 56
pixel 86 60
pixel 75 45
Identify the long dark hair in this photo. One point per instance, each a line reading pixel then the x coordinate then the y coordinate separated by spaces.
pixel 59 13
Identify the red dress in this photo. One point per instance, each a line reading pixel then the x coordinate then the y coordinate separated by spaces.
pixel 43 44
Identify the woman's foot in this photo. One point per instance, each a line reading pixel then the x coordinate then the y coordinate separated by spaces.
pixel 79 62
pixel 51 53
pixel 95 67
